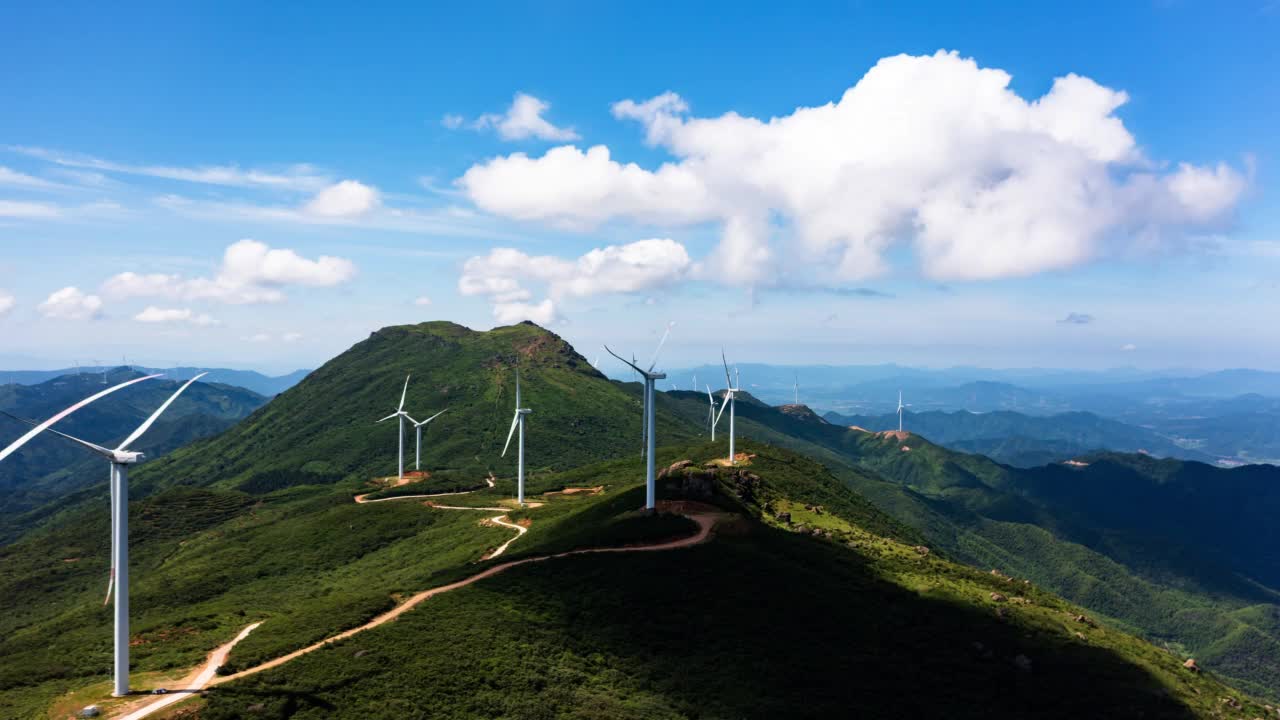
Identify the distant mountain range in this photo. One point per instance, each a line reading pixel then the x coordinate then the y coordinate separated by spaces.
pixel 248 379
pixel 1027 440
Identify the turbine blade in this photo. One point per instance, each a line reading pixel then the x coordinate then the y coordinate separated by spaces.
pixel 144 426
pixel 629 364
pixel 514 421
pixel 723 405
pixel 727 380
pixel 13 447
pixel 661 342
pixel 404 392
pixel 394 414
pixel 433 417
pixel 84 443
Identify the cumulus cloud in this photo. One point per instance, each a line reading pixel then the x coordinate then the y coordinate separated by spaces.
pixel 251 272
pixel 422 301
pixel 522 121
pixel 934 151
pixel 345 199
pixel 155 314
pixel 70 303
pixel 503 273
pixel 7 302
pixel 1077 319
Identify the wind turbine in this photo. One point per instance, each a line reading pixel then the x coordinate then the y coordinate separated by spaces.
pixel 711 413
pixel 901 409
pixel 730 402
pixel 650 377
pixel 518 420
pixel 797 388
pixel 16 444
pixel 121 458
pixel 417 448
pixel 401 414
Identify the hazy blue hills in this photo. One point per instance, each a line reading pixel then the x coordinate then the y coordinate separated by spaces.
pixel 257 382
pixel 1026 440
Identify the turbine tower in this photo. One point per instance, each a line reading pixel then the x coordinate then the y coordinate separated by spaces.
pixel 417 447
pixel 797 388
pixel 730 402
pixel 401 414
pixel 120 459
pixel 711 413
pixel 650 377
pixel 517 420
pixel 901 409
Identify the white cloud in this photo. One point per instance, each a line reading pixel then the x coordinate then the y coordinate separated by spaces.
pixel 629 268
pixel 27 210
pixel 291 337
pixel 345 199
pixel 251 272
pixel 7 302
pixel 155 314
pixel 521 121
pixel 70 303
pixel 422 301
pixel 932 150
pixel 452 121
pixel 13 178
pixel 294 177
pixel 510 313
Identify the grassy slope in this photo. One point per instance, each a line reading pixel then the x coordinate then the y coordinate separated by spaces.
pixel 764 621
pixel 974 511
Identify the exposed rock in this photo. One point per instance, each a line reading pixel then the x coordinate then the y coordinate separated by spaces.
pixel 1022 662
pixel 1080 635
pixel 783 517
pixel 1085 621
pixel 674 468
pixel 921 550
pixel 91 711
pixel 997 597
pixel 1191 665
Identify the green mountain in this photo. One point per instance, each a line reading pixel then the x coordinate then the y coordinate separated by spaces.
pixel 1179 551
pixel 827 586
pixel 49 468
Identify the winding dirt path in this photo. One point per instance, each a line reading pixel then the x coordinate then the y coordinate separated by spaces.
pixel 706 522
pixel 207 676
pixel 192 684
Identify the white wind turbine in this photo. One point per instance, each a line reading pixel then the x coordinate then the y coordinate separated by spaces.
pixel 797 388
pixel 417 447
pixel 401 414
pixel 901 408
pixel 121 458
pixel 518 420
pixel 730 401
pixel 711 413
pixel 650 377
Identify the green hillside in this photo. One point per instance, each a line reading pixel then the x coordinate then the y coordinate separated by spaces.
pixel 1111 535
pixel 324 430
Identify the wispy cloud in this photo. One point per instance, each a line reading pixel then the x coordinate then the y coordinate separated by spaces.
pixel 299 177
pixel 1076 318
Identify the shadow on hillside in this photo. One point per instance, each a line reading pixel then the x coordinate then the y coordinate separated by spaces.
pixel 762 625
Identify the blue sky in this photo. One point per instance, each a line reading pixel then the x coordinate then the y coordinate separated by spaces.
pixel 263 186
